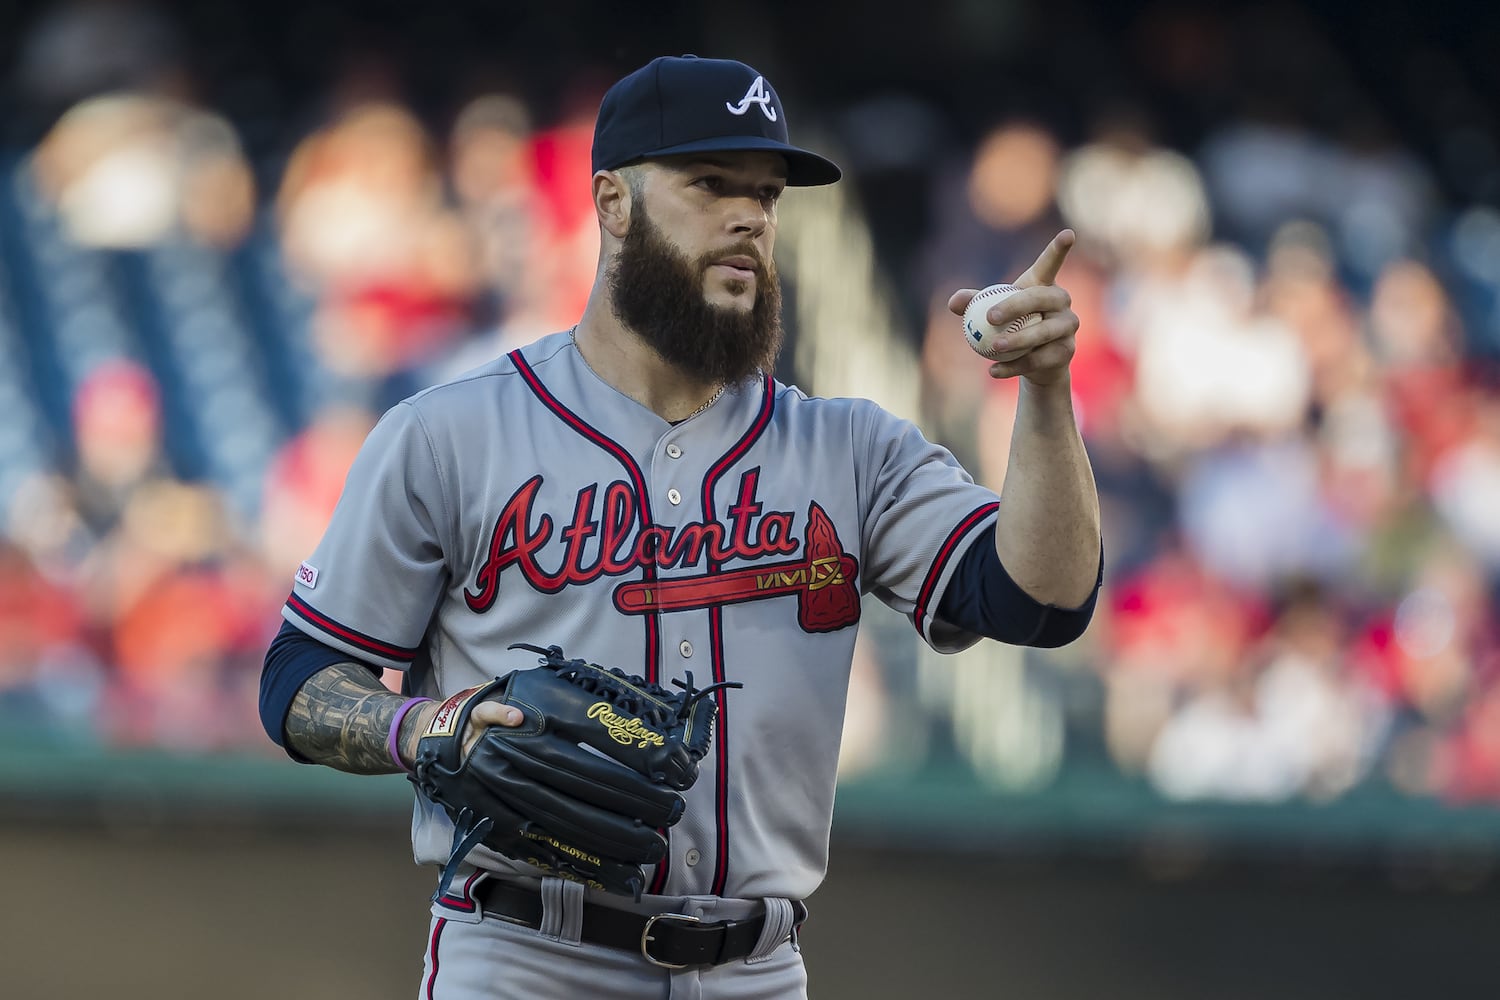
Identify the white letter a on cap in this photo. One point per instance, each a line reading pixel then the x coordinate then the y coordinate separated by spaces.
pixel 757 94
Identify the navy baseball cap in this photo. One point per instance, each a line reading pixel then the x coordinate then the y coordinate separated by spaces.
pixel 683 104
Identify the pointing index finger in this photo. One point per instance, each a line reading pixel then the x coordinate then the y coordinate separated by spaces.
pixel 1044 271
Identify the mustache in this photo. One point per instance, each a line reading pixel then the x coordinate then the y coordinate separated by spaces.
pixel 746 249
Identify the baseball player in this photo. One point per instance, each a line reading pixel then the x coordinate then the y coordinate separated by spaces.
pixel 639 491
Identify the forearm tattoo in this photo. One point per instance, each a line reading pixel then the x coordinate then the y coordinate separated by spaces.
pixel 341 717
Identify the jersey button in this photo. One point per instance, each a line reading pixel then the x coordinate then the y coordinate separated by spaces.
pixel 674 497
pixel 673 451
pixel 685 648
pixel 692 857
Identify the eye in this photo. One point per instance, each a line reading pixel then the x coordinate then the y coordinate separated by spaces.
pixel 770 194
pixel 710 182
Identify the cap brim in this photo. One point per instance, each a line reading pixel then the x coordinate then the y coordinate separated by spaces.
pixel 803 167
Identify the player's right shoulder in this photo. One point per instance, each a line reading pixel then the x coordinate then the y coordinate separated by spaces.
pixel 477 404
pixel 499 375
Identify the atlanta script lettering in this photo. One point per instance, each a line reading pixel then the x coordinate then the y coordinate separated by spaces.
pixel 602 539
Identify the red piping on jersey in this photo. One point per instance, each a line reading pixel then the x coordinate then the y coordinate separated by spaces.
pixel 924 596
pixel 637 479
pixel 437 932
pixel 716 638
pixel 467 903
pixel 357 639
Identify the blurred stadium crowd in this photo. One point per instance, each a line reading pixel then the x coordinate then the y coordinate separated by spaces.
pixel 1286 375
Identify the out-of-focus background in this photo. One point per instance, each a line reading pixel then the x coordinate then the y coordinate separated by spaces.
pixel 232 234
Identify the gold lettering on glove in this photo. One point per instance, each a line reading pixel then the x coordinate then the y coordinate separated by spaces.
pixel 623 730
pixel 567 849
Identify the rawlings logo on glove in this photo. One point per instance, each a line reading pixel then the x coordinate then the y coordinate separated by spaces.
pixel 623 730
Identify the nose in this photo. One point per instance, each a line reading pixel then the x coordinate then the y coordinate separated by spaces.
pixel 748 217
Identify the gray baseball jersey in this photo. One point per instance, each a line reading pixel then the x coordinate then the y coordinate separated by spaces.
pixel 529 501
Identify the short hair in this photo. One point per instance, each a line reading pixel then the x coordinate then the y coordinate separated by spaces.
pixel 635 179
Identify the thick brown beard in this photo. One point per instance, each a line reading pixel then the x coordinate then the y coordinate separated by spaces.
pixel 657 293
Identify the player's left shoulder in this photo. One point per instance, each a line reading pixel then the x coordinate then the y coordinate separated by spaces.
pixel 796 404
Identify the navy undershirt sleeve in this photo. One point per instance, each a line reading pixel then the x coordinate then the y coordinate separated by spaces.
pixel 982 598
pixel 294 656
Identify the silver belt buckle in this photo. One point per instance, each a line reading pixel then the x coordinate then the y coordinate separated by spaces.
pixel 646 937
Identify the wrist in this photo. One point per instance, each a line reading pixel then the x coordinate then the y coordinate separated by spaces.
pixel 1047 405
pixel 403 724
pixel 1057 382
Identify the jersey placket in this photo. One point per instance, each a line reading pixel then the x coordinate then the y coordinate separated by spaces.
pixel 677 467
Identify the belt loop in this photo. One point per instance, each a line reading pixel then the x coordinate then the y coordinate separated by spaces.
pixel 780 919
pixel 562 910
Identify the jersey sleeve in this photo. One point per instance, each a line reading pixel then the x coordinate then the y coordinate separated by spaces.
pixel 923 512
pixel 372 583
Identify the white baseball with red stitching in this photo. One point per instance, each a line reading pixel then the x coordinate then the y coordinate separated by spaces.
pixel 981 335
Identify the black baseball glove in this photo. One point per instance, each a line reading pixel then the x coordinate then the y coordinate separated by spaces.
pixel 582 788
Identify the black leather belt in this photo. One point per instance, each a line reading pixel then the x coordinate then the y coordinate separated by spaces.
pixel 670 940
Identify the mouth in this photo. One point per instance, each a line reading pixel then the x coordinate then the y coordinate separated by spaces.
pixel 739 266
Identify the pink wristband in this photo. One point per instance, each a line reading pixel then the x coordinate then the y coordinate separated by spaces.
pixel 394 737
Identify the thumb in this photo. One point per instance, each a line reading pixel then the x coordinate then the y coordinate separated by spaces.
pixel 1044 270
pixel 493 713
pixel 959 300
pixel 485 715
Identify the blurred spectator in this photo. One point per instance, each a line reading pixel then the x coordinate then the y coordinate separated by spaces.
pixel 38 620
pixel 1300 289
pixel 303 484
pixel 44 520
pixel 1267 170
pixel 1170 628
pixel 365 227
pixel 1255 514
pixel 1418 342
pixel 990 214
pixel 1295 726
pixel 117 428
pixel 1219 745
pixel 1209 365
pixel 1467 764
pixel 566 248
pixel 151 594
pixel 1326 721
pixel 1424 653
pixel 495 180
pixel 1143 206
pixel 128 170
pixel 990 223
pixel 1466 485
pixel 524 196
pixel 188 647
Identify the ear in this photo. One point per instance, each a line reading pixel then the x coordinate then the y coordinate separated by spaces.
pixel 612 202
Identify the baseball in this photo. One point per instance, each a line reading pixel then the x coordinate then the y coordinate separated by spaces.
pixel 981 335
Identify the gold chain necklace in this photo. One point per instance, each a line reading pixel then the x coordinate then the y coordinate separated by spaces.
pixel 573 336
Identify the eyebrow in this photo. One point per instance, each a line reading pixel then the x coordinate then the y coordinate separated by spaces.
pixel 721 163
